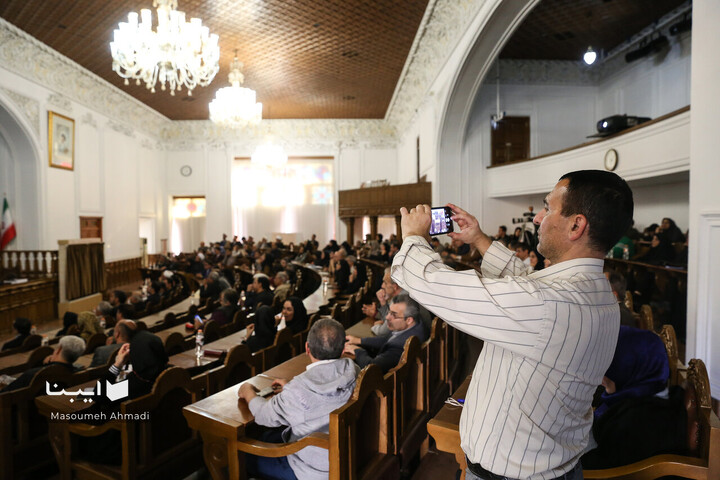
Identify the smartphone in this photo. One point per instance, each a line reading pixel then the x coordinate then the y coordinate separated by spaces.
pixel 199 319
pixel 440 222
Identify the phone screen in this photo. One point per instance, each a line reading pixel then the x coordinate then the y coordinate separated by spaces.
pixel 440 222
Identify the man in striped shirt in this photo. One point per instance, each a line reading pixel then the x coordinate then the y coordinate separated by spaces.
pixel 549 336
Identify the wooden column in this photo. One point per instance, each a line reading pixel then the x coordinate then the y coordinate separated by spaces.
pixel 350 224
pixel 398 227
pixel 373 227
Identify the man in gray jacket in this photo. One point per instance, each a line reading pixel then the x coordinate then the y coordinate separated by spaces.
pixel 304 405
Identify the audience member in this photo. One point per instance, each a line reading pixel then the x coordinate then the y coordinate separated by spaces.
pixel 403 321
pixel 618 284
pixel 295 315
pixel 69 319
pixel 388 290
pixel 282 286
pixel 303 406
pixel 88 325
pixel 122 334
pixel 502 232
pixel 228 306
pixel 212 286
pixel 258 292
pixel 340 269
pixel 661 251
pixel 671 231
pixel 66 353
pixel 537 261
pixel 261 333
pixel 522 251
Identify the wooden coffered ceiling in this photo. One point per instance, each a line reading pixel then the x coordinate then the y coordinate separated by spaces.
pixel 316 58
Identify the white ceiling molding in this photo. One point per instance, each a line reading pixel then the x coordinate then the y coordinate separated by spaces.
pixel 60 101
pixel 29 107
pixel 444 23
pixel 60 74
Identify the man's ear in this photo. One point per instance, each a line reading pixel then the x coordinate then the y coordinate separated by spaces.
pixel 579 227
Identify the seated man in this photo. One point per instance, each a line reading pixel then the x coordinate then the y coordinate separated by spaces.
pixel 123 333
pixel 259 292
pixel 281 281
pixel 303 405
pixel 212 286
pixel 68 350
pixel 388 290
pixel 388 349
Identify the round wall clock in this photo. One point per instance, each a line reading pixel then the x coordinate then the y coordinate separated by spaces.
pixel 185 170
pixel 611 160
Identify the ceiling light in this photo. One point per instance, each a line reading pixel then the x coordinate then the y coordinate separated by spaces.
pixel 235 106
pixel 269 155
pixel 178 53
pixel 590 56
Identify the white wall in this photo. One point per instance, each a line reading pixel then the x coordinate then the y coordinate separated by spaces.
pixel 114 176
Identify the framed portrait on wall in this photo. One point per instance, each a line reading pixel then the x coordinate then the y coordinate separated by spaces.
pixel 61 141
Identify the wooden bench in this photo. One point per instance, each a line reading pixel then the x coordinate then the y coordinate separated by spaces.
pixel 358 442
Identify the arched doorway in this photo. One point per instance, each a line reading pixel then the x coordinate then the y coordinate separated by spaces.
pixel 20 177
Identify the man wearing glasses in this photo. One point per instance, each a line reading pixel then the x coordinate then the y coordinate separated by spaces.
pixel 387 350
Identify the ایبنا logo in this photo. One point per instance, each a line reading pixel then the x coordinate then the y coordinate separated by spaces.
pixel 113 392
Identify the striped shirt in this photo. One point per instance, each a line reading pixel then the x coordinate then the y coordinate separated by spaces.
pixel 549 338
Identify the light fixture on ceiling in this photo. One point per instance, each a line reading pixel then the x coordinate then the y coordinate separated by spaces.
pixel 590 56
pixel 235 106
pixel 178 53
pixel 269 155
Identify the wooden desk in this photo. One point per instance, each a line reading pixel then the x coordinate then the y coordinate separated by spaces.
pixel 362 328
pixel 445 428
pixel 221 420
pixel 14 363
pixel 177 309
pixel 164 334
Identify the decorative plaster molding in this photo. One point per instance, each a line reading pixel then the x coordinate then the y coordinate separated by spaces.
pixel 29 107
pixel 120 128
pixel 57 72
pixel 150 144
pixel 88 119
pixel 447 22
pixel 60 101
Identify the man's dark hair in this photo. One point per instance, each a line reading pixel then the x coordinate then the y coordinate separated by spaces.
pixel 22 325
pixel 264 282
pixel 126 328
pixel 412 309
pixel 326 339
pixel 231 296
pixel 126 311
pixel 618 284
pixel 503 228
pixel 604 199
pixel 522 246
pixel 121 296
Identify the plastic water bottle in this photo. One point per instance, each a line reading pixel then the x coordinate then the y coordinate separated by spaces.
pixel 199 342
pixel 33 330
pixel 626 252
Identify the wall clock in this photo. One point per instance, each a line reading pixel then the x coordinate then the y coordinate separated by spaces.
pixel 611 160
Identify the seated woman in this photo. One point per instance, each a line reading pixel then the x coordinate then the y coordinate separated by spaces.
pixel 634 419
pixel 69 319
pixel 264 329
pixel 89 325
pixel 661 251
pixel 295 315
pixel 537 261
pixel 23 327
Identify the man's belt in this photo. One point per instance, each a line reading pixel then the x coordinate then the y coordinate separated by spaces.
pixel 478 470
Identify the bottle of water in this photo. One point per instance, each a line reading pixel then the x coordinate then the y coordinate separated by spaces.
pixel 626 252
pixel 33 330
pixel 199 342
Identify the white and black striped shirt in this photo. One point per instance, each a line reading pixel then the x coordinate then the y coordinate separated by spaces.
pixel 550 336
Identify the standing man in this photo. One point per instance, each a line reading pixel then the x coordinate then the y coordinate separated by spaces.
pixel 549 336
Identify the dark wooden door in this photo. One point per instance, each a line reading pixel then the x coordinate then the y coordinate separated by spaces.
pixel 510 140
pixel 91 227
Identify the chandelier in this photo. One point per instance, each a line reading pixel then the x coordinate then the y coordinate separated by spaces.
pixel 269 155
pixel 235 106
pixel 178 53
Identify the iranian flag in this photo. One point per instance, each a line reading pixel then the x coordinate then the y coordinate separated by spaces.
pixel 7 232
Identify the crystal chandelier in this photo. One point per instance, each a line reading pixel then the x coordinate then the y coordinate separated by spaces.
pixel 235 106
pixel 269 155
pixel 178 53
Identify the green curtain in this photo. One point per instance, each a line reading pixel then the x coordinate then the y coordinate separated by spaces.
pixel 85 270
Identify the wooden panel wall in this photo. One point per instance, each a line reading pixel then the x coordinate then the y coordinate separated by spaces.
pixel 36 300
pixel 383 200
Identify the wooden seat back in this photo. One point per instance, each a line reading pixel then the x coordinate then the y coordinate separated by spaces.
pixel 703 437
pixel 359 441
pixel 408 382
pixel 436 388
pixel 671 347
pixel 95 341
pixel 31 342
pixel 629 300
pixel 162 447
pixel 645 321
pixel 239 365
pixel 23 431
pixel 211 331
pixel 174 344
pixel 281 350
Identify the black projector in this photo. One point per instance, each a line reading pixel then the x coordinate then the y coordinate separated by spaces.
pixel 617 123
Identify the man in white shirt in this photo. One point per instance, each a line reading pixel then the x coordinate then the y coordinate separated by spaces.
pixel 549 336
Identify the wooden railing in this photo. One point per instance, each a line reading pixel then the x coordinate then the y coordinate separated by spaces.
pixel 122 272
pixel 29 263
pixel 383 200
